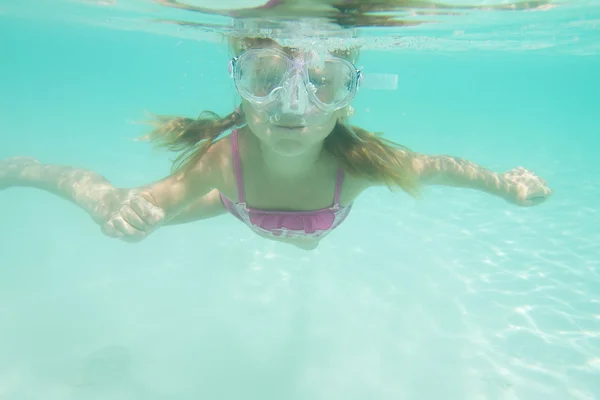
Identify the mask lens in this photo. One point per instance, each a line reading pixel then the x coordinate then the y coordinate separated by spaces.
pixel 333 81
pixel 257 75
pixel 330 83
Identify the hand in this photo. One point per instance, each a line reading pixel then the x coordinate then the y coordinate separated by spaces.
pixel 527 189
pixel 11 169
pixel 136 219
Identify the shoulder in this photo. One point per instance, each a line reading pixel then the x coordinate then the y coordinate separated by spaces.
pixel 216 162
pixel 400 165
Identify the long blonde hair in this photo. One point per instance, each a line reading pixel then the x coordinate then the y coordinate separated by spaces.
pixel 360 153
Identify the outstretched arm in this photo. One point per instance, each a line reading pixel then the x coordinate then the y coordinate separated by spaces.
pixel 130 214
pixel 87 189
pixel 518 186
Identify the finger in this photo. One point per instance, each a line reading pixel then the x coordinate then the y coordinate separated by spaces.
pixel 129 233
pixel 537 198
pixel 109 230
pixel 133 218
pixel 150 213
pixel 533 201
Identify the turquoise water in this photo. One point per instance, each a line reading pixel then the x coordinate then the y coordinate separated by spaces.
pixel 455 296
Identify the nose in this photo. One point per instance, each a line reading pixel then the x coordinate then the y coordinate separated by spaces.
pixel 295 97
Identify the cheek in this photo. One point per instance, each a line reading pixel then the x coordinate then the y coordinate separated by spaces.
pixel 257 121
pixel 249 112
pixel 259 130
pixel 331 122
pixel 320 133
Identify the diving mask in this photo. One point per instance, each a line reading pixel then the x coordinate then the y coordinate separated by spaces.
pixel 268 77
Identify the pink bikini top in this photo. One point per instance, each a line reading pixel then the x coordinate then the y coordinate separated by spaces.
pixel 290 224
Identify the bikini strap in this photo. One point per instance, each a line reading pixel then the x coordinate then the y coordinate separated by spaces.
pixel 339 180
pixel 239 180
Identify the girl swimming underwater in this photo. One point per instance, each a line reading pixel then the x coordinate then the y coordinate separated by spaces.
pixel 291 167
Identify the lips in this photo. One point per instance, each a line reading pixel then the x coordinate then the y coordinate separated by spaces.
pixel 290 126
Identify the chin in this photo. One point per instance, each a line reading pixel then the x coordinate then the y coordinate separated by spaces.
pixel 289 146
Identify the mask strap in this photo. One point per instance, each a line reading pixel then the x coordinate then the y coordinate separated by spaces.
pixel 379 81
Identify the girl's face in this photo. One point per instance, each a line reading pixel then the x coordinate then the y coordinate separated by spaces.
pixel 291 135
pixel 292 100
